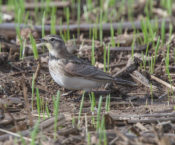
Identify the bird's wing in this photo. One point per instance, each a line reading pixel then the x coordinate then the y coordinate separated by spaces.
pixel 81 69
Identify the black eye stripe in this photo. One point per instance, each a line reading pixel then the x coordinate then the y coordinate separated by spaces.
pixel 52 39
pixel 55 39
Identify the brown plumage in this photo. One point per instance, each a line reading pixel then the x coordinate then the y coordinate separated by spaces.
pixel 72 72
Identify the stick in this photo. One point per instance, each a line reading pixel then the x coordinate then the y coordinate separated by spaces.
pixel 33 5
pixel 131 66
pixel 15 134
pixel 37 71
pixel 10 28
pixel 43 125
pixel 136 48
pixel 142 79
pixel 163 82
pixel 153 120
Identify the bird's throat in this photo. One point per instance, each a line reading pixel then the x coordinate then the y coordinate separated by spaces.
pixel 52 57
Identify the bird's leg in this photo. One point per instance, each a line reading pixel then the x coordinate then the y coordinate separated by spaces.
pixel 68 93
pixel 102 93
pixel 108 86
pixel 86 94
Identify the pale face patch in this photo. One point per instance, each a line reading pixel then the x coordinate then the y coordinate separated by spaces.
pixel 49 46
pixel 51 50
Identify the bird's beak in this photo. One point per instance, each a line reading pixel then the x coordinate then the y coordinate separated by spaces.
pixel 44 42
pixel 41 41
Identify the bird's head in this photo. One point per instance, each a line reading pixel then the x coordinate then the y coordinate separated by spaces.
pixel 55 45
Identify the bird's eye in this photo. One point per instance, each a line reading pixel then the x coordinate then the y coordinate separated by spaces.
pixel 52 39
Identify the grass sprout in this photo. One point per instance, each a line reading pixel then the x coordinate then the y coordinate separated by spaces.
pixel 104 59
pixel 78 15
pixel 34 133
pixel 99 113
pixel 53 21
pixel 93 52
pixel 56 110
pixel 112 36
pixel 34 48
pixel 38 102
pixel 107 106
pixel 33 90
pixel 81 107
pixel 93 106
pixel 43 22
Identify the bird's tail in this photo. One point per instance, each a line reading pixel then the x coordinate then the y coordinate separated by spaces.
pixel 120 81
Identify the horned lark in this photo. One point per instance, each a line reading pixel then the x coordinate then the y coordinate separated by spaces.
pixel 72 72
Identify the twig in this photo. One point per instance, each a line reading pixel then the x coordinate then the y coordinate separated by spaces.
pixel 145 118
pixel 136 48
pixel 15 134
pixel 42 125
pixel 68 131
pixel 172 114
pixel 70 139
pixel 37 70
pixel 142 79
pixel 151 120
pixel 163 82
pixel 10 28
pixel 6 122
pixel 33 5
pixel 131 66
pixel 40 115
pixel 12 118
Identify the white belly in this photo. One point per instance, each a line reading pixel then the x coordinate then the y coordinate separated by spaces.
pixel 73 83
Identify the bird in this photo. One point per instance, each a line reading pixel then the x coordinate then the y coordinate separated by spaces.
pixel 71 72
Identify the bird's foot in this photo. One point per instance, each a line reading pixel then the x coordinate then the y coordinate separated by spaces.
pixel 67 93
